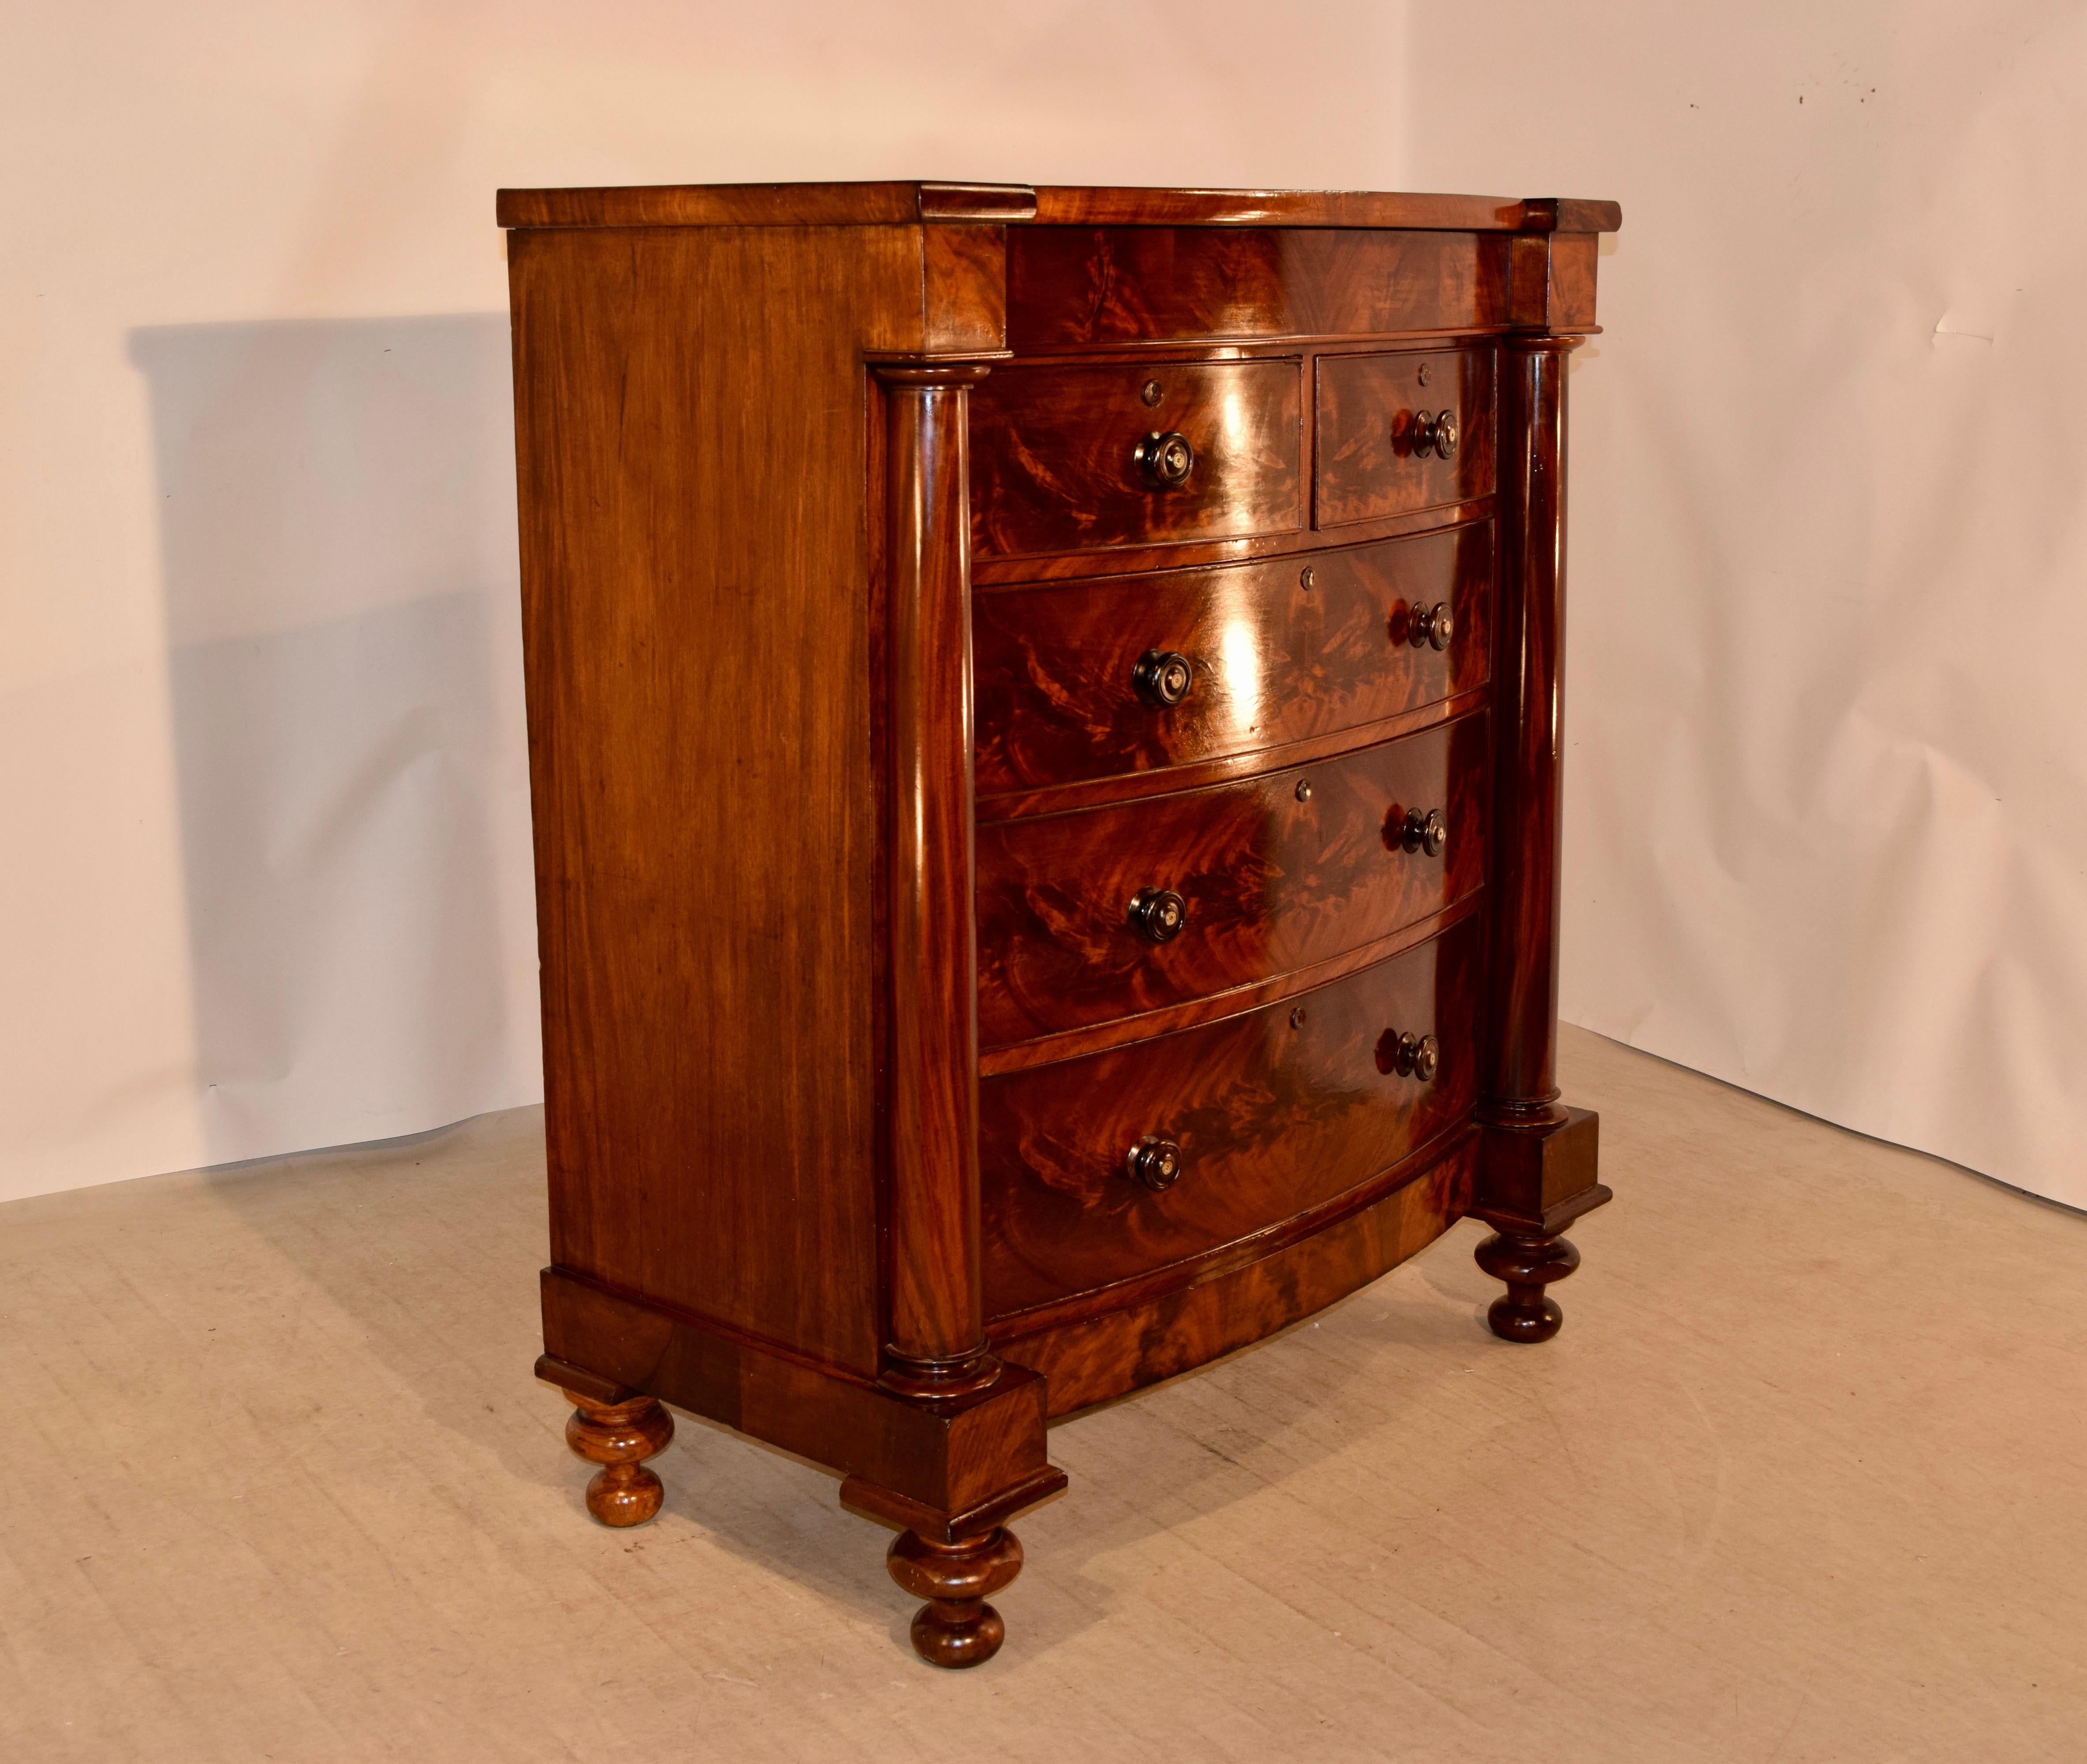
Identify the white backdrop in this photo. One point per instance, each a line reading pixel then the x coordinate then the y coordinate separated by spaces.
pixel 261 749
pixel 1826 833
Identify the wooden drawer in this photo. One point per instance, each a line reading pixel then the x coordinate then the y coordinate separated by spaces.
pixel 1054 455
pixel 1274 1112
pixel 1372 456
pixel 1270 659
pixel 1277 872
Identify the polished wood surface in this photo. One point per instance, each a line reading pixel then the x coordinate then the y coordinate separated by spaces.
pixel 1274 1112
pixel 698 649
pixel 935 1343
pixel 892 204
pixel 979 1452
pixel 1279 652
pixel 1368 464
pixel 1098 1355
pixel 620 1437
pixel 1069 286
pixel 1053 454
pixel 1521 1071
pixel 1277 871
pixel 992 656
pixel 956 1627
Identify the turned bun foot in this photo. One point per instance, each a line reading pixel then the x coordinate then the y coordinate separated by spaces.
pixel 1528 1263
pixel 956 1626
pixel 620 1437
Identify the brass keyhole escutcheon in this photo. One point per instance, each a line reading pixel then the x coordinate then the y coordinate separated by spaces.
pixel 1151 393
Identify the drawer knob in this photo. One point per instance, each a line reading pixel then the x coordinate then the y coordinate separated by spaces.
pixel 1418 832
pixel 1158 914
pixel 1166 459
pixel 1154 1162
pixel 1161 678
pixel 1409 1055
pixel 1431 627
pixel 1436 434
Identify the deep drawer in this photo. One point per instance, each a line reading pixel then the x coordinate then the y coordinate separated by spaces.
pixel 1055 465
pixel 1376 446
pixel 1276 651
pixel 1274 873
pixel 1272 1112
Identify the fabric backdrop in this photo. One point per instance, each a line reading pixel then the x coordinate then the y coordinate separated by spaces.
pixel 262 764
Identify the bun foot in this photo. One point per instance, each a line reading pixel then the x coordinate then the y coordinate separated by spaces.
pixel 1528 1263
pixel 956 1626
pixel 620 1437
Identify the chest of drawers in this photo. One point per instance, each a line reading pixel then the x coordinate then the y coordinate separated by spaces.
pixel 1045 713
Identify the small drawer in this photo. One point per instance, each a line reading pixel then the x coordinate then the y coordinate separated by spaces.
pixel 1262 1116
pixel 1380 433
pixel 1072 679
pixel 1078 457
pixel 1103 913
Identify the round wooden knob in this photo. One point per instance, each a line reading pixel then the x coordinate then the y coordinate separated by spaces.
pixel 1154 1162
pixel 1167 460
pixel 1430 627
pixel 1418 832
pixel 1409 1055
pixel 1435 432
pixel 1163 678
pixel 1158 914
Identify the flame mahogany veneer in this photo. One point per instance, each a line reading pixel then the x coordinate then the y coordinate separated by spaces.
pixel 1043 708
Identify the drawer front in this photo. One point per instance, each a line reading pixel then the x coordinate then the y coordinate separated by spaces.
pixel 1054 454
pixel 1274 1112
pixel 1274 872
pixel 1376 418
pixel 1273 657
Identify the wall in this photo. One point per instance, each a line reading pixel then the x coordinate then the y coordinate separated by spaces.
pixel 268 880
pixel 261 762
pixel 1826 829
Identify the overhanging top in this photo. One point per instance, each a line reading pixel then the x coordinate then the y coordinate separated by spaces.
pixel 900 204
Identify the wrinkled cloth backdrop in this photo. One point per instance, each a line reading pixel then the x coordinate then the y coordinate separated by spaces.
pixel 262 755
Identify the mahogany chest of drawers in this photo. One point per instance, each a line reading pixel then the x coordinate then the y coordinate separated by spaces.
pixel 1044 719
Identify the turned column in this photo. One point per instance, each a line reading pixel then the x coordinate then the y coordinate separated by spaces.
pixel 935 1335
pixel 1537 1166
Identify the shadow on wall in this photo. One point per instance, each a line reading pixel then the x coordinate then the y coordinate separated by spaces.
pixel 337 522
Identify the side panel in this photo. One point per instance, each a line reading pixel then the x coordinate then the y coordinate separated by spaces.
pixel 692 450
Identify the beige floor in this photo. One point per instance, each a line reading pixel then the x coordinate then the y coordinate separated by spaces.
pixel 1802 1479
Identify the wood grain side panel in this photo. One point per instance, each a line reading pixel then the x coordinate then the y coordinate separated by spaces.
pixel 1274 660
pixel 695 621
pixel 1277 871
pixel 1367 411
pixel 1275 1111
pixel 1052 454
pixel 1096 1358
pixel 1073 285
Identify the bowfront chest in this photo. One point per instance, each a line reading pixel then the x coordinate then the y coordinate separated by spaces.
pixel 1044 720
